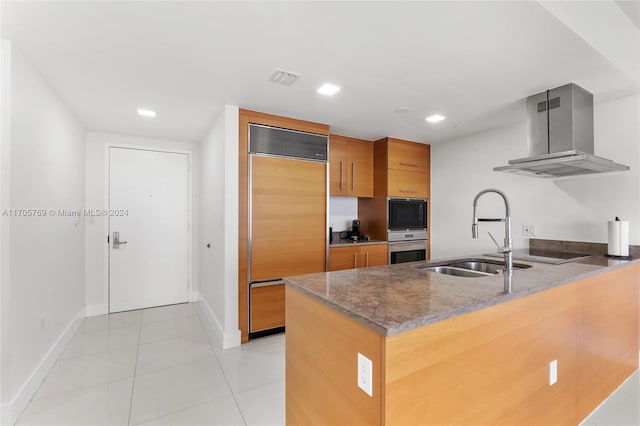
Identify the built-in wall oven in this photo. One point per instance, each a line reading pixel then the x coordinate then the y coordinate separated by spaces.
pixel 407 246
pixel 407 230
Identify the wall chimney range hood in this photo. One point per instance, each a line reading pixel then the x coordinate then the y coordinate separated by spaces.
pixel 560 136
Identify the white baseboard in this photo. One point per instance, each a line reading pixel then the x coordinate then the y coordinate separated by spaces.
pixel 224 340
pixel 97 309
pixel 10 411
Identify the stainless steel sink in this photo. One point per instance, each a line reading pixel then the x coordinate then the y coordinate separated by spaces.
pixel 469 267
pixel 451 270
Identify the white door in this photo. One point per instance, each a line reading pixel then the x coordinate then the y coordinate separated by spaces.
pixel 149 209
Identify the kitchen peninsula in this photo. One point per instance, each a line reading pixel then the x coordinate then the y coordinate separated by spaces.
pixel 456 350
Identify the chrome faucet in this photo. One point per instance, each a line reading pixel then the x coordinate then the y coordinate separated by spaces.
pixel 507 248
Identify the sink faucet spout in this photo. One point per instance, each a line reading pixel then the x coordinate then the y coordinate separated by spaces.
pixel 507 249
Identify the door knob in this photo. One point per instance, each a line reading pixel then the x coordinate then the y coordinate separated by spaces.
pixel 116 240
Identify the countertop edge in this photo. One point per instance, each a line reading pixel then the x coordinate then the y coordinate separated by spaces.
pixel 357 243
pixel 422 321
pixel 419 322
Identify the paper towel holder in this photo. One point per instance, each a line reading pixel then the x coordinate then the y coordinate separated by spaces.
pixel 624 240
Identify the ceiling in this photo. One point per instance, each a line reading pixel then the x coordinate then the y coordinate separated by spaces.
pixel 473 62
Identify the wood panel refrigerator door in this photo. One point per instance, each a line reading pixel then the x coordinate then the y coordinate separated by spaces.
pixel 151 268
pixel 288 224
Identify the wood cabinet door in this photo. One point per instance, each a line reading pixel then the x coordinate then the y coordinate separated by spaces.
pixel 360 168
pixel 373 255
pixel 411 156
pixel 288 207
pixel 344 258
pixel 408 184
pixel 267 307
pixel 338 166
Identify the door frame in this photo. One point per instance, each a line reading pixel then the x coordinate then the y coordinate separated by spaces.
pixel 193 295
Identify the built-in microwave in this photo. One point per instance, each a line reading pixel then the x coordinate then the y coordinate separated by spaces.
pixel 407 213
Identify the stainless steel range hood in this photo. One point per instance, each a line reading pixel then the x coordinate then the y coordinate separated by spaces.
pixel 560 136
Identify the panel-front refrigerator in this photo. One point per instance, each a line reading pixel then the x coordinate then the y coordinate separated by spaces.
pixel 287 218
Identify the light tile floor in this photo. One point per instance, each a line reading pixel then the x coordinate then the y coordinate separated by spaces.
pixel 159 366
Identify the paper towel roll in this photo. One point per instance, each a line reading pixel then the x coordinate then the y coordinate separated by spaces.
pixel 618 238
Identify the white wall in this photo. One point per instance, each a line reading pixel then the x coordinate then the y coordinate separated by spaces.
pixel 342 211
pixel 96 248
pixel 45 282
pixel 5 137
pixel 575 208
pixel 219 225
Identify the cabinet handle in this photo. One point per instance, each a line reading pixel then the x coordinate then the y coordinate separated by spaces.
pixel 366 259
pixel 353 176
pixel 341 173
pixel 413 191
pixel 409 164
pixel 355 260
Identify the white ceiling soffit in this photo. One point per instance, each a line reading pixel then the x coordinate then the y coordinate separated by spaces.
pixel 473 62
pixel 632 9
pixel 603 25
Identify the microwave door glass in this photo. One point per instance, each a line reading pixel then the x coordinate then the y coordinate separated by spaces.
pixel 407 214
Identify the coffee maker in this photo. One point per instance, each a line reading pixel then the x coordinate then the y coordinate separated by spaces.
pixel 355 230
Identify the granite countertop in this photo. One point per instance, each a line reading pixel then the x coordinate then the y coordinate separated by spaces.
pixel 395 298
pixel 341 242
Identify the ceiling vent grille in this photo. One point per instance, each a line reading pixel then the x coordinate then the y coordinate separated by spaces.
pixel 286 78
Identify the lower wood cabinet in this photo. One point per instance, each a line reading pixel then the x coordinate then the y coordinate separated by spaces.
pixel 267 307
pixel 357 256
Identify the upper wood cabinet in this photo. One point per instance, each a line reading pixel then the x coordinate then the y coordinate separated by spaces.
pixel 350 166
pixel 410 156
pixel 407 184
pixel 401 169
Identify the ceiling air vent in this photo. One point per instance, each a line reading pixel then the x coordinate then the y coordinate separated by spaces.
pixel 284 77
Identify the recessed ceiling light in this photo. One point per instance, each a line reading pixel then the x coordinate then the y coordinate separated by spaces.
pixel 328 89
pixel 435 118
pixel 146 112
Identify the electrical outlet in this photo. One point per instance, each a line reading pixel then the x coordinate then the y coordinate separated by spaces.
pixel 365 369
pixel 553 372
pixel 528 230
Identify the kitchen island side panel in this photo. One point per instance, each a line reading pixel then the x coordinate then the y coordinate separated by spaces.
pixel 322 346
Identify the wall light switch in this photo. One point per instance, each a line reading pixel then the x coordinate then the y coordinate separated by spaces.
pixel 553 372
pixel 365 369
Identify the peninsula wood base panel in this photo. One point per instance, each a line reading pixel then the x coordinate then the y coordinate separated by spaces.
pixel 487 367
pixel 607 336
pixel 321 366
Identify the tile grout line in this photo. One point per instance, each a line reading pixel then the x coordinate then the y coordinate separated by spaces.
pixel 209 400
pixel 185 408
pixel 233 395
pixel 203 357
pixel 135 368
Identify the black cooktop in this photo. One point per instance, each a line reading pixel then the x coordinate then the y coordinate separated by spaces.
pixel 544 256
